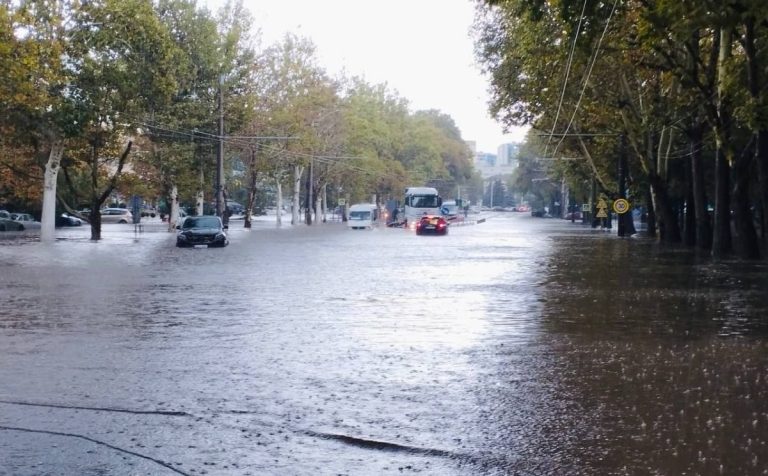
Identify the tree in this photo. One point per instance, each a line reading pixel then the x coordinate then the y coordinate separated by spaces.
pixel 681 79
pixel 122 66
pixel 36 114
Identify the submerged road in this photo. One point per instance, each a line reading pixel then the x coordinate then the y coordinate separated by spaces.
pixel 515 346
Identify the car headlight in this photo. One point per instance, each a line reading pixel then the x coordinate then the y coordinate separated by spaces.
pixel 220 236
pixel 182 236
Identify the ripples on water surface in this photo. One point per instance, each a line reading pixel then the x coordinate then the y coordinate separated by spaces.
pixel 518 345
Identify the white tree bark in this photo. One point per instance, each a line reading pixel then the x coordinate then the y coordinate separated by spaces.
pixel 200 199
pixel 48 219
pixel 199 202
pixel 279 204
pixel 174 212
pixel 325 202
pixel 297 171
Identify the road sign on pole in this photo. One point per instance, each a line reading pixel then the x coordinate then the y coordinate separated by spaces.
pixel 602 208
pixel 621 206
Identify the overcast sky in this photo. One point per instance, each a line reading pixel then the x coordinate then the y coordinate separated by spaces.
pixel 420 48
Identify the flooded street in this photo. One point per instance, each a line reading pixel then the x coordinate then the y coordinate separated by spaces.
pixel 515 346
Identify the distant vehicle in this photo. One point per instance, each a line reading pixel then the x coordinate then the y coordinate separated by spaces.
pixel 116 215
pixel 148 212
pixel 420 201
pixel 432 225
pixel 181 217
pixel 362 216
pixel 68 220
pixel 450 210
pixel 8 224
pixel 26 220
pixel 205 230
pixel 235 208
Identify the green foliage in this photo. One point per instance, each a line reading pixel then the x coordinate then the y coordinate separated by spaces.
pixel 104 72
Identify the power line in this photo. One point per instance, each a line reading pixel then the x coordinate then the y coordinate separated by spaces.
pixel 567 74
pixel 589 73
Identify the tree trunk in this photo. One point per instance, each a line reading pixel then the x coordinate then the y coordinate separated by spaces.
pixel 325 202
pixel 297 171
pixel 98 199
pixel 754 81
pixel 700 203
pixel 279 204
pixel 95 215
pixel 689 211
pixel 249 206
pixel 173 215
pixel 651 213
pixel 251 191
pixel 668 225
pixel 748 245
pixel 626 225
pixel 200 199
pixel 721 239
pixel 48 219
pixel 308 199
pixel 761 155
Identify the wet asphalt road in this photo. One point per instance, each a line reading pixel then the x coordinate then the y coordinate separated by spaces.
pixel 515 346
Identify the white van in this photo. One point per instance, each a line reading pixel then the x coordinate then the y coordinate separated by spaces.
pixel 362 216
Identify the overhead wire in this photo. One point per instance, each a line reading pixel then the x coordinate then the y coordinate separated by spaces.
pixel 242 142
pixel 567 75
pixel 586 79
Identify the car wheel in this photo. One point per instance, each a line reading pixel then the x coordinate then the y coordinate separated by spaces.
pixel 123 222
pixel 21 227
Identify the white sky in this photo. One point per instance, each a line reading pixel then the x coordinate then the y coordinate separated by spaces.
pixel 419 48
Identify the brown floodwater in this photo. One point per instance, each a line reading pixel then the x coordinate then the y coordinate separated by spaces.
pixel 514 346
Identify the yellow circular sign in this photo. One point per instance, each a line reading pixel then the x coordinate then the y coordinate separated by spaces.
pixel 621 206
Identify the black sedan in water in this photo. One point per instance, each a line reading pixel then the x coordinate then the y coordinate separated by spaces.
pixel 432 225
pixel 201 231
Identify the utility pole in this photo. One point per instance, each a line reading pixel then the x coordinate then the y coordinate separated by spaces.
pixel 220 156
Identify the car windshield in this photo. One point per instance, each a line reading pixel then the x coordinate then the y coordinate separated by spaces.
pixel 359 215
pixel 424 201
pixel 201 222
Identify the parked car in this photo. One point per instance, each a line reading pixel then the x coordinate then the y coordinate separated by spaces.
pixel 116 215
pixel 205 230
pixel 432 225
pixel 68 220
pixel 182 216
pixel 148 212
pixel 26 220
pixel 8 224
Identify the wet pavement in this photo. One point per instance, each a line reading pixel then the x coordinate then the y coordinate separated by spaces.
pixel 515 346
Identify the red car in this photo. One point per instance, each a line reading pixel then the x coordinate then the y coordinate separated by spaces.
pixel 432 225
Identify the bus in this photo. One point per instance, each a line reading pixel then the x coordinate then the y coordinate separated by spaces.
pixel 420 201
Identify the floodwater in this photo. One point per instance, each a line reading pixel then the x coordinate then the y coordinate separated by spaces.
pixel 515 346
